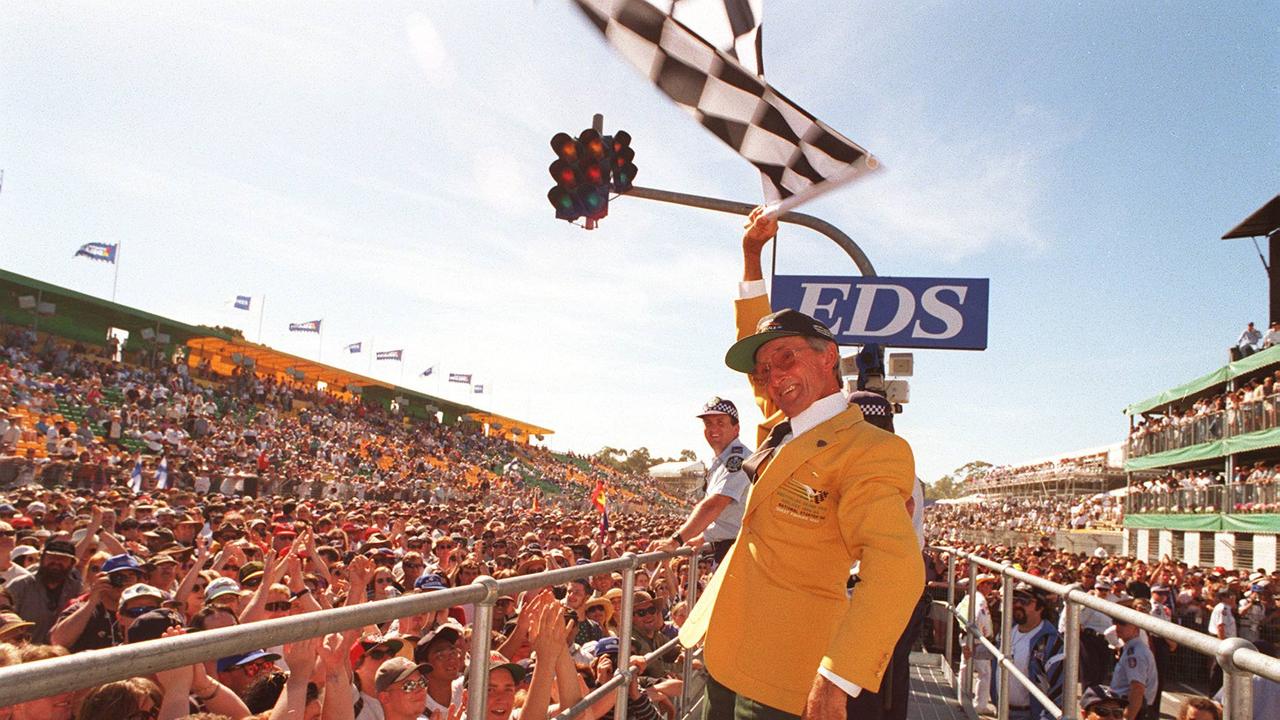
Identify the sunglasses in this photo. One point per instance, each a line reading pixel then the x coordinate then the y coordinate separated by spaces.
pixel 783 361
pixel 255 668
pixel 380 654
pixel 1108 712
pixel 412 566
pixel 384 581
pixel 252 582
pixel 8 533
pixel 413 685
pixel 595 610
pixel 137 612
pixel 646 612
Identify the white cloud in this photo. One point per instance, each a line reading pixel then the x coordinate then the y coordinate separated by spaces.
pixel 954 196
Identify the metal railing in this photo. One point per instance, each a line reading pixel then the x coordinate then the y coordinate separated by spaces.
pixel 1181 432
pixel 29 681
pixel 1238 658
pixel 1243 497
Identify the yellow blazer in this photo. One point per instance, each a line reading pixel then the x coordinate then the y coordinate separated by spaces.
pixel 777 606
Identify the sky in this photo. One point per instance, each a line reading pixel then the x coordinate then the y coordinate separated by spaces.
pixel 383 166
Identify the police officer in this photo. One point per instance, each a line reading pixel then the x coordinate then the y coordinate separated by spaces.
pixel 1134 677
pixel 719 515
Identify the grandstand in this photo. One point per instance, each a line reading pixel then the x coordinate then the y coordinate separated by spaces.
pixel 75 316
pixel 1203 458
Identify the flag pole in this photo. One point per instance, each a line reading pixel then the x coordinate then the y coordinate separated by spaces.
pixel 115 279
pixel 262 309
pixel 369 363
pixel 320 341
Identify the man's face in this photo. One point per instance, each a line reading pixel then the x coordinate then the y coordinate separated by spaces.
pixel 55 567
pixel 502 693
pixel 8 538
pixel 793 374
pixel 407 698
pixel 447 659
pixel 646 619
pixel 719 430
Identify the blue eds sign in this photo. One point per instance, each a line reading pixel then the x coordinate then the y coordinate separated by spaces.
pixel 943 313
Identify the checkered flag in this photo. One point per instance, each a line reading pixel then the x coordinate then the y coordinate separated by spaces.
pixel 731 25
pixel 798 156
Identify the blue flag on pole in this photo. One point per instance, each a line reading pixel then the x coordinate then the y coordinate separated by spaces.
pixel 106 252
pixel 309 326
pixel 354 348
pixel 460 378
pixel 389 355
pixel 243 302
pixel 162 474
pixel 135 477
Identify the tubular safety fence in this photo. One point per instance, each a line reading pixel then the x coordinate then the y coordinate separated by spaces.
pixel 1239 660
pixel 28 681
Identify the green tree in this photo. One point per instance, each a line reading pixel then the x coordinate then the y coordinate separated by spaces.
pixel 688 455
pixel 954 483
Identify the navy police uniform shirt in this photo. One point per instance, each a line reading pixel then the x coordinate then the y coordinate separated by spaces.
pixel 726 477
pixel 1137 663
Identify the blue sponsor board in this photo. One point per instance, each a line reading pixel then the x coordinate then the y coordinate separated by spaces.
pixel 945 313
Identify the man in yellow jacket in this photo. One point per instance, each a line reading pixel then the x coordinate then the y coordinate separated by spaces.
pixel 781 635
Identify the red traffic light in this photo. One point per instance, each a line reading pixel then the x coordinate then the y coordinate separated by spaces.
pixel 564 174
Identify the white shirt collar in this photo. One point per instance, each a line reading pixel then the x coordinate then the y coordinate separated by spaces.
pixel 819 412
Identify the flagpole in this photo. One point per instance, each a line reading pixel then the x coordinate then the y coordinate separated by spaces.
pixel 262 309
pixel 115 280
pixel 369 364
pixel 320 343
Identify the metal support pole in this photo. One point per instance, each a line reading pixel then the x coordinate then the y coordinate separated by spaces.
pixel 966 677
pixel 1237 684
pixel 690 597
pixel 481 639
pixel 949 651
pixel 624 635
pixel 845 242
pixel 1071 662
pixel 1006 642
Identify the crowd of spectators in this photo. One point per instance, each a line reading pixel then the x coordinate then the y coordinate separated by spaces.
pixel 1038 514
pixel 141 502
pixel 1047 471
pixel 1223 603
pixel 1246 409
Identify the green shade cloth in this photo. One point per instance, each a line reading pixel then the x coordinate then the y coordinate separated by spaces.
pixel 1252 522
pixel 1245 366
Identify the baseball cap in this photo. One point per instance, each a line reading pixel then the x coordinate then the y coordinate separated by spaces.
pixel 448 631
pixel 784 323
pixel 395 669
pixel 140 590
pixel 118 563
pixel 235 661
pixel 719 406
pixel 20 551
pixel 37 507
pixel 1095 694
pixel 152 624
pixel 604 646
pixel 430 581
pixel 221 586
pixel 498 661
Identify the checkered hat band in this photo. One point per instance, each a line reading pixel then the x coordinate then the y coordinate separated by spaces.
pixel 721 406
